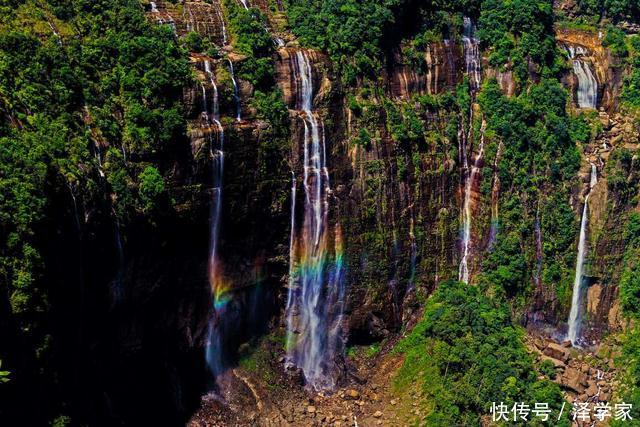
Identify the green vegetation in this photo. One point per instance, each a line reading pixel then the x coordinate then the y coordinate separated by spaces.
pixel 251 39
pixel 540 151
pixel 519 32
pixel 613 9
pixel 628 364
pixel 4 375
pixel 90 102
pixel 464 354
pixel 631 91
pixel 630 278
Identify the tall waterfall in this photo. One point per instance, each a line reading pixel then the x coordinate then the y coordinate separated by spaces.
pixel 236 93
pixel 587 83
pixel 471 46
pixel 472 176
pixel 495 200
pixel 316 289
pixel 213 129
pixel 576 299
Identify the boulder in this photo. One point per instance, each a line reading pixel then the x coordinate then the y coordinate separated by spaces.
pixel 352 394
pixel 575 380
pixel 556 351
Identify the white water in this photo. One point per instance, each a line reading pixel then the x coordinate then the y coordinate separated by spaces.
pixel 471 177
pixel 495 200
pixel 576 299
pixel 244 4
pixel 218 9
pixel 236 94
pixel 587 83
pixel 216 150
pixel 191 24
pixel 316 290
pixel 471 46
pixel 154 7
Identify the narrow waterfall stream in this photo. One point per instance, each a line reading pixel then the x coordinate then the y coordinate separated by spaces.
pixel 236 93
pixel 495 200
pixel 471 45
pixel 587 92
pixel 218 8
pixel 219 291
pixel 316 290
pixel 575 315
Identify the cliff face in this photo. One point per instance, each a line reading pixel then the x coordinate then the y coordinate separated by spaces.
pixel 608 70
pixel 399 207
pixel 397 203
pixel 440 70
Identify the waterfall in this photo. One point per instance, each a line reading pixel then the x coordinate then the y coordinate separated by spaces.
pixel 495 200
pixel 191 24
pixel 218 288
pixel 587 83
pixel 316 290
pixel 154 7
pixel 576 300
pixel 236 94
pixel 222 24
pixel 244 4
pixel 471 46
pixel 471 178
pixel 471 54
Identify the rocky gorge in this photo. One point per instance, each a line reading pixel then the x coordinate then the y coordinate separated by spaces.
pixel 309 214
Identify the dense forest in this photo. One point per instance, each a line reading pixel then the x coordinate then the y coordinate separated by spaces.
pixel 319 212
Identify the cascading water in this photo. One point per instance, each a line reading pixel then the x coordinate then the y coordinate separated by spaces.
pixel 236 94
pixel 472 176
pixel 191 23
pixel 576 299
pixel 316 290
pixel 154 7
pixel 587 83
pixel 218 9
pixel 495 200
pixel 471 46
pixel 218 289
pixel 471 54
